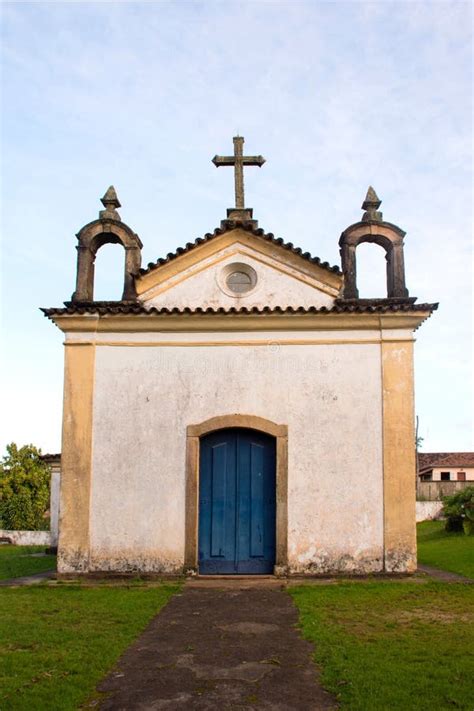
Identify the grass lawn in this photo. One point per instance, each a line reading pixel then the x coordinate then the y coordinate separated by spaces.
pixel 388 646
pixel 447 551
pixel 58 642
pixel 16 561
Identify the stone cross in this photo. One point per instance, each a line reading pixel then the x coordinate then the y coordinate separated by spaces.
pixel 238 160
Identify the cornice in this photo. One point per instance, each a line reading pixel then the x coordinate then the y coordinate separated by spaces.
pixel 121 318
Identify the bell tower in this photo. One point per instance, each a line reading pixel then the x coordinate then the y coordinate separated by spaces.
pixel 372 228
pixel 108 229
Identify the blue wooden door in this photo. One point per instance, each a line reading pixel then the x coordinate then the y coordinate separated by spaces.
pixel 237 503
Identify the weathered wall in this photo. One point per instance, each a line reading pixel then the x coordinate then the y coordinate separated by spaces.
pixel 399 464
pixel 330 396
pixel 428 510
pixel 27 538
pixel 54 505
pixel 436 490
pixel 76 458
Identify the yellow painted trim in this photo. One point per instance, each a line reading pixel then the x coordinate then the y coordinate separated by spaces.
pixel 76 460
pixel 267 343
pixel 79 343
pixel 399 466
pixel 208 249
pixel 224 422
pixel 168 323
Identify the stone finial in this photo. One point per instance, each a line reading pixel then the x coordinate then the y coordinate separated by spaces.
pixel 110 201
pixel 371 205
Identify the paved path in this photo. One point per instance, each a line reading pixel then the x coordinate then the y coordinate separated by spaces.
pixel 219 649
pixel 29 579
pixel 444 575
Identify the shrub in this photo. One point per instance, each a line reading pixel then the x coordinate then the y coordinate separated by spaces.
pixel 24 489
pixel 459 511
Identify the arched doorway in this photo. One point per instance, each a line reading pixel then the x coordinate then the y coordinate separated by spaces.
pixel 195 434
pixel 237 503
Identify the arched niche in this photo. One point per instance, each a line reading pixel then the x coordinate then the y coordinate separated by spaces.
pixel 390 238
pixel 91 238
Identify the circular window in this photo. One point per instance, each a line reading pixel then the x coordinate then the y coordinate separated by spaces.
pixel 237 279
pixel 239 282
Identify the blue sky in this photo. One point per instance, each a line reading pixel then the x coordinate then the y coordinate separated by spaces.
pixel 335 95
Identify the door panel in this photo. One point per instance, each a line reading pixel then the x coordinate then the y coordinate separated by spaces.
pixel 257 512
pixel 237 502
pixel 218 500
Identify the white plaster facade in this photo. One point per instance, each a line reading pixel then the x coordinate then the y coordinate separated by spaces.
pixel 339 381
pixel 456 473
pixel 278 283
pixel 335 508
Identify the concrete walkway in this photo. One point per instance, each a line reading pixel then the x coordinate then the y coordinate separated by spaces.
pixel 28 579
pixel 210 649
pixel 443 575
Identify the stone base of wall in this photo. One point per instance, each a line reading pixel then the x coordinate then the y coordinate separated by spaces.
pixel 283 580
pixel 27 538
pixel 283 573
pixel 428 510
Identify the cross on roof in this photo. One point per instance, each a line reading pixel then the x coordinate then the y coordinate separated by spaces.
pixel 238 160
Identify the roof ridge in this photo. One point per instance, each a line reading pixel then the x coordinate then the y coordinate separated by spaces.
pixel 443 454
pixel 247 227
pixel 429 460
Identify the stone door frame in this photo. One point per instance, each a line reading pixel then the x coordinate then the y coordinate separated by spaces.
pixel 193 435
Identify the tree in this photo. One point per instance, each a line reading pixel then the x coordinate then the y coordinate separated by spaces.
pixel 459 511
pixel 24 489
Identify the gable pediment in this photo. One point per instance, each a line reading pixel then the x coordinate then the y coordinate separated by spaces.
pixel 195 276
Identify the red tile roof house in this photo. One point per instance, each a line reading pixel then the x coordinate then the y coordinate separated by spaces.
pixel 443 473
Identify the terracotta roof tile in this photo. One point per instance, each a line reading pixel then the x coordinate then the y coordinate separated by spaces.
pixel 248 227
pixel 429 460
pixel 117 307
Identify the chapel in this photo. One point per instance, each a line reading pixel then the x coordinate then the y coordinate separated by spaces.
pixel 240 410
